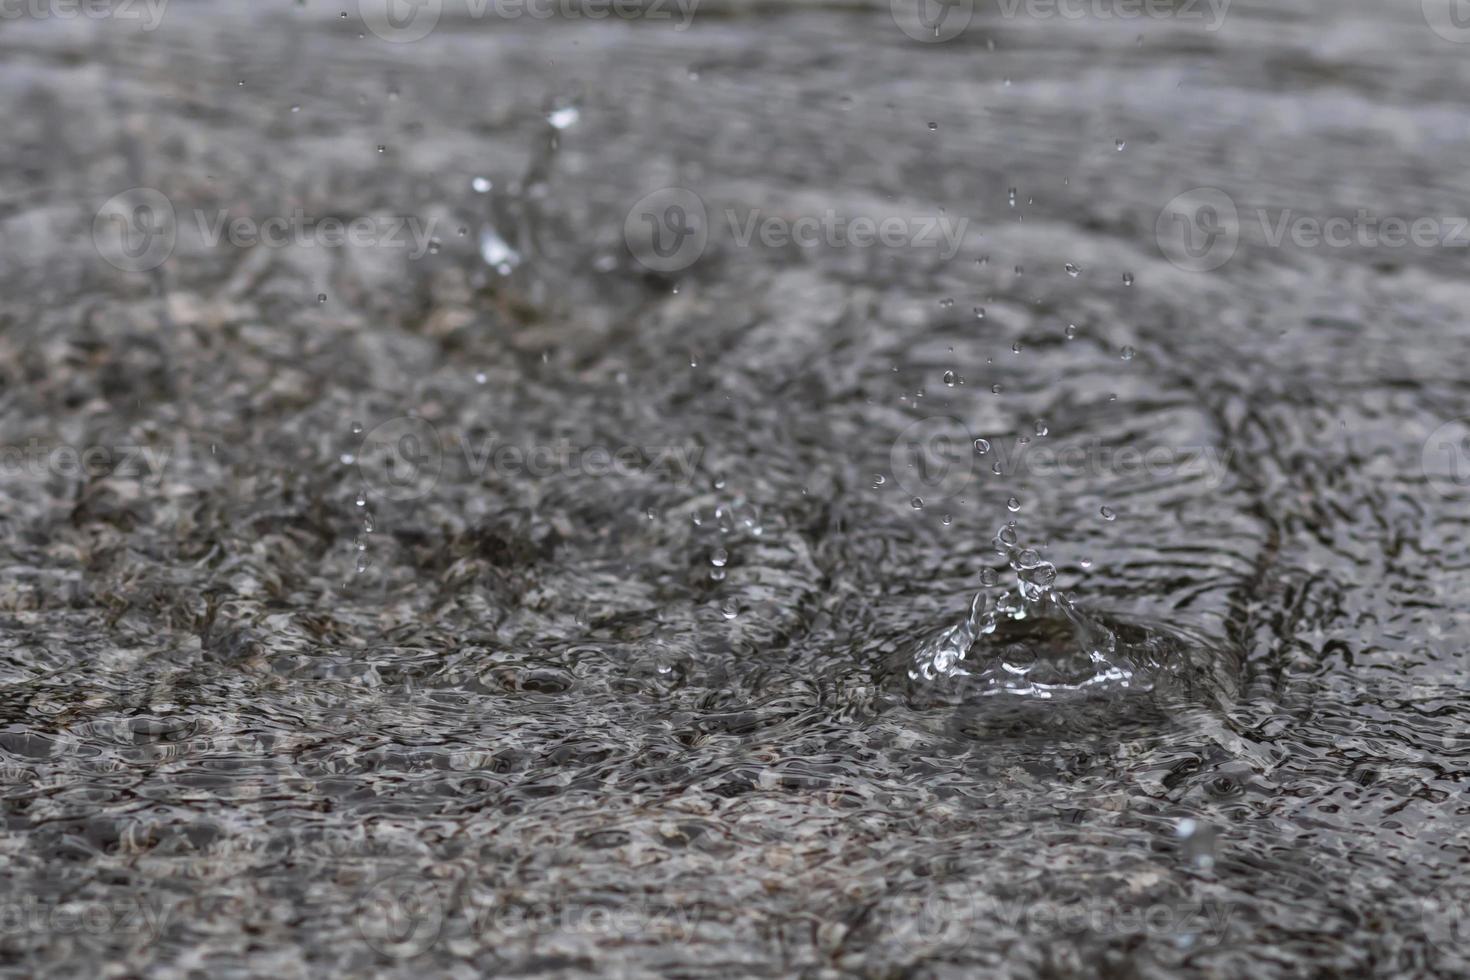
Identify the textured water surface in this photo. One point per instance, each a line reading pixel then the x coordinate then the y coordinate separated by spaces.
pixel 742 662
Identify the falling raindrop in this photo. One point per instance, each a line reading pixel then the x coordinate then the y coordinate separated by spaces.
pixel 1107 513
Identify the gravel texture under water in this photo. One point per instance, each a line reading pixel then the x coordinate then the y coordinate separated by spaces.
pixel 302 675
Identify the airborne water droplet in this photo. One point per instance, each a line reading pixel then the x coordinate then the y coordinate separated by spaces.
pixel 982 446
pixel 1107 513
pixel 1127 353
pixel 564 117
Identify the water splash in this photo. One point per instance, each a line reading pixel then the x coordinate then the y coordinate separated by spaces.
pixel 1031 640
pixel 514 234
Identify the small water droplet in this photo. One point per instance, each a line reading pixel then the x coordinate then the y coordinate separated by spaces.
pixel 1127 353
pixel 480 377
pixel 979 312
pixel 321 298
pixel 949 378
pixel 1127 278
pixel 1013 505
pixel 564 117
pixel 1072 270
pixel 1107 513
pixel 917 503
pixel 1071 331
pixel 982 446
pixel 1041 427
pixel 481 185
pixel 1120 146
pixel 719 557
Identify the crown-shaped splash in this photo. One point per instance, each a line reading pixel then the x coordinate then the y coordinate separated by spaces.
pixel 1028 640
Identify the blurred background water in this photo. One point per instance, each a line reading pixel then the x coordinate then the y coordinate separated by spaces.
pixel 570 570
